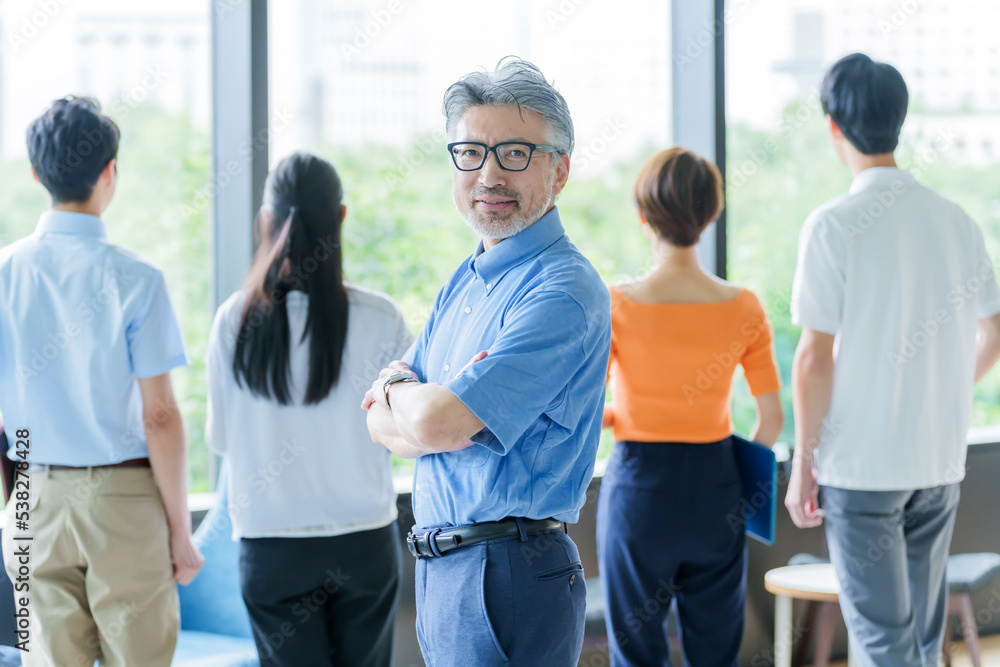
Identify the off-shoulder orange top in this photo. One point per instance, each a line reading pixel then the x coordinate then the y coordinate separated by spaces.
pixel 672 364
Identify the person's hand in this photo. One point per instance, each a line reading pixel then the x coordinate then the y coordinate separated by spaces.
pixel 478 357
pixel 375 393
pixel 608 420
pixel 802 498
pixel 185 556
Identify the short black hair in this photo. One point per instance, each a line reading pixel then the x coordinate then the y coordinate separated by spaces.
pixel 70 145
pixel 867 100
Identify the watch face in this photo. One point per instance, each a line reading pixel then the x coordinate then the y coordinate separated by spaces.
pixel 393 379
pixel 396 377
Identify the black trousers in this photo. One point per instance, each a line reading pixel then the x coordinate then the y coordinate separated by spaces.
pixel 323 600
pixel 669 526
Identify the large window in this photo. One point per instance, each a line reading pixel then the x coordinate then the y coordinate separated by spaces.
pixel 361 83
pixel 148 65
pixel 780 164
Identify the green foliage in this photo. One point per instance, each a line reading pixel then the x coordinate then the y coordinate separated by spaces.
pixel 162 163
pixel 766 209
pixel 404 237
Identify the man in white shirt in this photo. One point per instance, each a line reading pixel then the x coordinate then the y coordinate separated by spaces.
pixel 898 304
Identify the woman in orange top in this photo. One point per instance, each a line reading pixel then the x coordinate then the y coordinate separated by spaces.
pixel 668 521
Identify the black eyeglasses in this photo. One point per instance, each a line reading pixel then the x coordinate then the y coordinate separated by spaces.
pixel 511 155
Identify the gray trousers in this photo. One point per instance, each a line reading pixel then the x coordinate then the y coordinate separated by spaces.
pixel 890 550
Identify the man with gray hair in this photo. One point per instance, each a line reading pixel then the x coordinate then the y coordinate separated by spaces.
pixel 499 400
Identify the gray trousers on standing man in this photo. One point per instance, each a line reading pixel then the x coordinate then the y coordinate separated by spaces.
pixel 890 550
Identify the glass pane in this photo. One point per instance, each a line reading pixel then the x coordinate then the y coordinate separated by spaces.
pixel 363 82
pixel 148 65
pixel 781 164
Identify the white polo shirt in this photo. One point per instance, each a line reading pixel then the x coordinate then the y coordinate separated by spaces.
pixel 900 275
pixel 305 470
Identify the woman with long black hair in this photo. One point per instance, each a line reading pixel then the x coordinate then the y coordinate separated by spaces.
pixel 310 495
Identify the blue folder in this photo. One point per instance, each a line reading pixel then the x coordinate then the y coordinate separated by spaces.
pixel 759 470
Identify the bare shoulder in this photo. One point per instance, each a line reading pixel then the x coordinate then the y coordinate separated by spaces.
pixel 628 288
pixel 723 289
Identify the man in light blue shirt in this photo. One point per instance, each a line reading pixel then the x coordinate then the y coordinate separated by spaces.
pixel 500 399
pixel 87 318
pixel 87 340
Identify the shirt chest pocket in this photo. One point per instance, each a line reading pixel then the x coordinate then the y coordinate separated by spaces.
pixel 473 456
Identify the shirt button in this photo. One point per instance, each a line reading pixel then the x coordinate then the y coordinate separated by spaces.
pixel 489 286
pixel 418 487
pixel 447 368
pixel 468 310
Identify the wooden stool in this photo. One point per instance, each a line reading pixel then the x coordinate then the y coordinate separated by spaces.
pixel 816 583
pixel 967 574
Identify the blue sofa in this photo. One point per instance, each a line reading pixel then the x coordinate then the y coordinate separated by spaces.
pixel 215 627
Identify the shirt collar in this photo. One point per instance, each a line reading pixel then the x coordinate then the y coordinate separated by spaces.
pixel 490 266
pixel 881 178
pixel 65 222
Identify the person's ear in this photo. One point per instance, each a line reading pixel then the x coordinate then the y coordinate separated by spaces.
pixel 562 174
pixel 642 219
pixel 834 128
pixel 34 175
pixel 343 213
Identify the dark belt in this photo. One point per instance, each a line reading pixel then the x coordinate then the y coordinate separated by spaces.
pixel 437 541
pixel 130 463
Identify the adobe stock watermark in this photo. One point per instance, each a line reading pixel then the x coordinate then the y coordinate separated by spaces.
pixel 927 329
pixel 653 609
pixel 223 7
pixel 128 613
pixel 259 481
pixel 768 657
pixel 899 15
pixel 152 77
pixel 33 24
pixel 943 140
pixel 246 150
pixel 791 121
pixel 893 531
pixel 986 615
pixel 562 13
pixel 365 34
pixel 154 418
pixel 422 149
pixel 389 351
pixel 303 610
pixel 696 45
pixel 876 210
pixel 297 274
pixel 724 363
pixel 585 155
pixel 95 139
pixel 86 311
pixel 754 501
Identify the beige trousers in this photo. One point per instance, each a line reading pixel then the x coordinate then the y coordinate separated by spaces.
pixel 100 579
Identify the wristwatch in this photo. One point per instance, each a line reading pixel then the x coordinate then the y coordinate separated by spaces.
pixel 393 379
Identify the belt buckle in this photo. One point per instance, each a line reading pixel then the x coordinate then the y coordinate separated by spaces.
pixel 411 544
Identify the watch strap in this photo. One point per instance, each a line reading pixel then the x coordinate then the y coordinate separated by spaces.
pixel 401 376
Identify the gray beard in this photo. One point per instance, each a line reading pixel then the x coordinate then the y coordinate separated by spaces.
pixel 496 228
pixel 504 228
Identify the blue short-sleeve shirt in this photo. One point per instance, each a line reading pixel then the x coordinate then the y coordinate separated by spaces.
pixel 80 321
pixel 541 311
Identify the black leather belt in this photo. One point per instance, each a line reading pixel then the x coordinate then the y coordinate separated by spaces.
pixel 436 542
